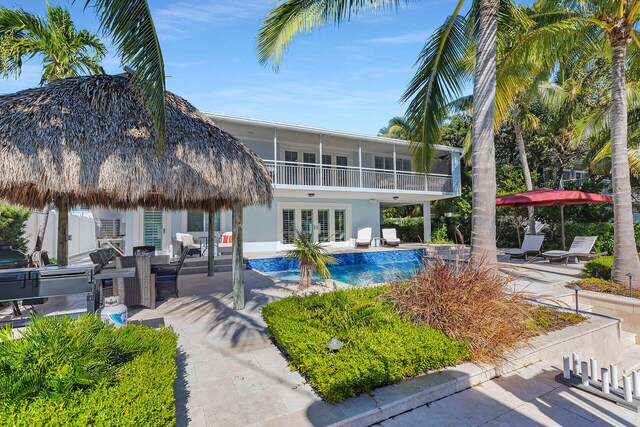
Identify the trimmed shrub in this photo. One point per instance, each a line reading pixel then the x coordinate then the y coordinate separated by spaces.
pixel 410 229
pixel 599 268
pixel 65 372
pixel 439 234
pixel 379 345
pixel 468 304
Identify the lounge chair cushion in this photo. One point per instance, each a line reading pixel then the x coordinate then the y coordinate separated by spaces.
pixel 390 237
pixel 364 236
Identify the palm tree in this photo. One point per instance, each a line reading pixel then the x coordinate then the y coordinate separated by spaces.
pixel 65 52
pixel 442 52
pixel 614 21
pixel 312 257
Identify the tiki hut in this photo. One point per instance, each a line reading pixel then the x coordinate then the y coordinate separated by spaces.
pixel 90 141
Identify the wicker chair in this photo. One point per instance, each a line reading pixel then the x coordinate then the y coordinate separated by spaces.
pixel 140 289
pixel 167 277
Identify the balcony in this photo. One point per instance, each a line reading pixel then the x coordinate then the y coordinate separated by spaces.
pixel 289 174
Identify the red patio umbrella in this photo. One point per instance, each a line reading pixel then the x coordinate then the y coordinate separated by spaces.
pixel 549 197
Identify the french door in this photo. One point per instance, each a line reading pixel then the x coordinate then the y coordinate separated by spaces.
pixel 316 223
pixel 153 229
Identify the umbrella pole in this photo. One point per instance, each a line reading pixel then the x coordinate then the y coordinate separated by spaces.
pixel 211 244
pixel 564 245
pixel 63 231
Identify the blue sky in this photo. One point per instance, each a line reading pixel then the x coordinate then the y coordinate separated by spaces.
pixel 348 78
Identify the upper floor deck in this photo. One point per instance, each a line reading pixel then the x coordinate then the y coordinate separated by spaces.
pixel 312 159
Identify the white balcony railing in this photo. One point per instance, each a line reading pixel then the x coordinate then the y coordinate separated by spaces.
pixel 315 175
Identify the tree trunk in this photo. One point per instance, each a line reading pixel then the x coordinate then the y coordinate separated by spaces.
pixel 306 272
pixel 625 255
pixel 525 164
pixel 63 231
pixel 483 227
pixel 211 244
pixel 237 275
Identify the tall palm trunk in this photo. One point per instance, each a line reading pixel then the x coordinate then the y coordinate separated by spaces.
pixel 523 161
pixel 483 228
pixel 625 256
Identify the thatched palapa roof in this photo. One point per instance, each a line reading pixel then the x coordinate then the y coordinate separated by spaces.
pixel 91 139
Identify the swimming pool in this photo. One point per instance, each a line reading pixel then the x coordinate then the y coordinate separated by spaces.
pixel 357 268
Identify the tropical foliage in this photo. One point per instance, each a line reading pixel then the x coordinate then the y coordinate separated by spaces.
pixel 65 51
pixel 312 256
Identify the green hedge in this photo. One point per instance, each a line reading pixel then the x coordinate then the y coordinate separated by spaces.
pixel 599 268
pixel 13 223
pixel 52 377
pixel 379 346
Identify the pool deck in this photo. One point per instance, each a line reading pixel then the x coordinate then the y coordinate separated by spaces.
pixel 226 359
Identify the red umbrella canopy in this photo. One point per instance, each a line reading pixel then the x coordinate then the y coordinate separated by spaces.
pixel 549 197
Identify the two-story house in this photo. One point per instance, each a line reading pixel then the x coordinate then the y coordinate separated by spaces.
pixel 326 183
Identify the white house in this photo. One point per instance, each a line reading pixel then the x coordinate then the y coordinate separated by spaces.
pixel 326 183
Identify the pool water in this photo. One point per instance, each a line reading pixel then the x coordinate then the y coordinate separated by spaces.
pixel 359 274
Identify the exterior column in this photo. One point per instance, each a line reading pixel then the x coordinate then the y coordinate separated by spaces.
pixel 236 257
pixel 426 213
pixel 62 254
pixel 456 185
pixel 360 162
pixel 321 163
pixel 275 156
pixel 211 243
pixel 395 169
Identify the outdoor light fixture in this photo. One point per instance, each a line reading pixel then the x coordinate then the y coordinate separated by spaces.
pixel 311 194
pixel 396 197
pixel 334 344
pixel 577 288
pixel 630 276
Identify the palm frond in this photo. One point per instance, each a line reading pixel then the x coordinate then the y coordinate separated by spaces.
pixel 130 24
pixel 439 79
pixel 294 17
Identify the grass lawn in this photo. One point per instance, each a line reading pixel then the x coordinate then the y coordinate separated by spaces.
pixel 379 346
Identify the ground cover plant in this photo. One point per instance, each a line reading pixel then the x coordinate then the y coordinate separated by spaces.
pixel 380 346
pixel 605 286
pixel 545 319
pixel 65 372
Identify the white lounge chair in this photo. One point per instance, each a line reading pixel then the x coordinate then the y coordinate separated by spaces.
pixel 364 237
pixel 581 247
pixel 225 243
pixel 530 246
pixel 188 243
pixel 389 237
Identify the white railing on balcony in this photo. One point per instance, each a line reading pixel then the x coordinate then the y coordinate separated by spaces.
pixel 315 175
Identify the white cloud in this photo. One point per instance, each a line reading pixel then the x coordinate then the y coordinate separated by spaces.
pixel 406 38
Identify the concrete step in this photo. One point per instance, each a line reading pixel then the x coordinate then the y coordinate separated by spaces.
pixel 628 339
pixel 630 359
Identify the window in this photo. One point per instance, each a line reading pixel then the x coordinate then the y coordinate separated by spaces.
pixel 341 161
pixel 199 221
pixel 403 165
pixel 288 225
pixel 387 163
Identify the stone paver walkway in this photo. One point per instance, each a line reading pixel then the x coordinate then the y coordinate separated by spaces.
pixel 527 397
